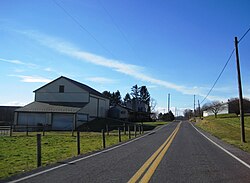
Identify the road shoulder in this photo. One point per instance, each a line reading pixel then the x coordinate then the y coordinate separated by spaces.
pixel 244 156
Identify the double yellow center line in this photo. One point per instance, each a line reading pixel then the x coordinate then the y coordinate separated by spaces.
pixel 148 168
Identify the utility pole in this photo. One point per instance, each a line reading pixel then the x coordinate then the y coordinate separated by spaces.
pixel 194 105
pixel 168 101
pixel 199 108
pixel 240 92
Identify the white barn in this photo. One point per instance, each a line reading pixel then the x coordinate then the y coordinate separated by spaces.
pixel 63 104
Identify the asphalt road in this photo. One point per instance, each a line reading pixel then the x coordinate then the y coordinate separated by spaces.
pixel 174 153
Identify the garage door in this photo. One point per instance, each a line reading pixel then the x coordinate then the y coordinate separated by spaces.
pixel 31 119
pixel 62 122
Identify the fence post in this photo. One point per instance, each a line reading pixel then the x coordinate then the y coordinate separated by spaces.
pixel 135 129
pixel 129 133
pixel 78 143
pixel 119 135
pixel 142 129
pixel 43 130
pixel 10 130
pixel 39 152
pixel 27 130
pixel 139 129
pixel 124 128
pixel 107 129
pixel 103 139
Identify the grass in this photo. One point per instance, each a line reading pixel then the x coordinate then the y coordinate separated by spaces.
pixel 18 153
pixel 227 128
pixel 157 123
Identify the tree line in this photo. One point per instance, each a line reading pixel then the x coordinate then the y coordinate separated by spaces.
pixel 140 94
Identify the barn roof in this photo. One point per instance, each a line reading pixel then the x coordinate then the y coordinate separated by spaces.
pixel 81 85
pixel 51 107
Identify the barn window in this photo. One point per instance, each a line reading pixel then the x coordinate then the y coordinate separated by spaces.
pixel 61 89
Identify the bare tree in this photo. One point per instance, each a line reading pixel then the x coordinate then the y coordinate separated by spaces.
pixel 188 113
pixel 153 104
pixel 214 107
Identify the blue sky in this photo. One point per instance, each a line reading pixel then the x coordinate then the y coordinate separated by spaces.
pixel 176 47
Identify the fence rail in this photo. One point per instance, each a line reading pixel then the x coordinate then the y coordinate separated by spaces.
pixel 5 130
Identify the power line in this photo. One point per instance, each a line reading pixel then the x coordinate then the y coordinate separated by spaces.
pixel 83 28
pixel 244 35
pixel 117 26
pixel 224 67
pixel 218 76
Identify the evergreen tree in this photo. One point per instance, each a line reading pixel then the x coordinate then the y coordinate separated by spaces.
pixel 117 99
pixel 127 98
pixel 144 95
pixel 135 92
pixel 107 94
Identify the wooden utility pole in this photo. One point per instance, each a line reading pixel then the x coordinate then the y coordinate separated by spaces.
pixel 168 102
pixel 240 92
pixel 199 108
pixel 194 105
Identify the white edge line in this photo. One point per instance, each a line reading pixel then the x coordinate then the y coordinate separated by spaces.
pixel 226 151
pixel 86 157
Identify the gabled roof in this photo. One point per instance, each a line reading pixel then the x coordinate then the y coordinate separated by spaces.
pixel 83 86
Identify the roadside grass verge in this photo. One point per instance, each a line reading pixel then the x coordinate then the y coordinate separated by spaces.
pixel 227 128
pixel 155 124
pixel 18 153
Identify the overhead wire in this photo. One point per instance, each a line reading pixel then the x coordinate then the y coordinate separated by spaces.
pixel 244 35
pixel 219 76
pixel 117 27
pixel 224 67
pixel 83 28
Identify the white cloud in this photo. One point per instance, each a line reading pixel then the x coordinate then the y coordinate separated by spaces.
pixel 101 80
pixel 117 65
pixel 13 103
pixel 48 69
pixel 32 79
pixel 18 62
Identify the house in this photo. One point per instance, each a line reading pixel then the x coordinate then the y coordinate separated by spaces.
pixel 231 107
pixel 139 110
pixel 119 112
pixel 63 104
pixel 137 106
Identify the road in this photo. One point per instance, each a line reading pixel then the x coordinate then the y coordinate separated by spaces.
pixel 173 153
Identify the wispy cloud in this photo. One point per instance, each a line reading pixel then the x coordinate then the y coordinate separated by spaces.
pixel 13 103
pixel 32 79
pixel 116 65
pixel 18 62
pixel 101 80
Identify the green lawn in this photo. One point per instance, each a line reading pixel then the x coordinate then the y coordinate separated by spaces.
pixel 227 128
pixel 18 153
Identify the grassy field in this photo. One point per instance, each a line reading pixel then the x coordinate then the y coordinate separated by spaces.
pixel 227 128
pixel 18 153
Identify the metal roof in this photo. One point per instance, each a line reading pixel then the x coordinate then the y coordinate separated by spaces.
pixel 47 107
pixel 83 86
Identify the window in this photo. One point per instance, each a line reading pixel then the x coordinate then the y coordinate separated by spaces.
pixel 61 89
